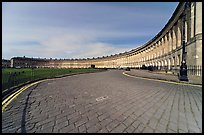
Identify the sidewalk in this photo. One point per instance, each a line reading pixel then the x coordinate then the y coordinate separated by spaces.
pixel 163 76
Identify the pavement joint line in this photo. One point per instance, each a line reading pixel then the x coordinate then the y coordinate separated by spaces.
pixel 10 98
pixel 178 83
pixel 14 95
pixel 20 90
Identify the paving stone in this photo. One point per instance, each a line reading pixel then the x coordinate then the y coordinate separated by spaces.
pixel 112 125
pixel 128 121
pixel 62 124
pixel 161 128
pixel 81 121
pixel 170 131
pixel 82 128
pixel 173 126
pixel 48 125
pixel 91 122
pixel 133 105
pixel 163 122
pixel 140 127
pixel 194 129
pixel 119 129
pixel 94 129
pixel 63 119
pixel 130 129
pixel 67 128
pixel 105 122
pixel 153 123
pixel 182 131
pixel 75 130
pixel 148 130
pixel 103 130
pixel 136 123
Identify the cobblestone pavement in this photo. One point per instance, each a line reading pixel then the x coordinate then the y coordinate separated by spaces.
pixel 105 102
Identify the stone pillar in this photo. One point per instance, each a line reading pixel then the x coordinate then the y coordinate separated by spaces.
pixel 179 34
pixel 166 44
pixel 170 42
pixel 186 31
pixel 157 49
pixel 192 19
pixel 176 35
pixel 198 21
pixel 161 47
pixel 173 38
pixel 198 32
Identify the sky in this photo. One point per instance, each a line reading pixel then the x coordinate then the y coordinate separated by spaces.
pixel 79 29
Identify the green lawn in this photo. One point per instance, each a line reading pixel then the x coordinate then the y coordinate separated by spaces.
pixel 13 77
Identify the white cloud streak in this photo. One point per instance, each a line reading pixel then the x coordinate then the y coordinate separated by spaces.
pixel 73 30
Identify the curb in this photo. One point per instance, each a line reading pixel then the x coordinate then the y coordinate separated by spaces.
pixel 7 92
pixel 11 95
pixel 181 82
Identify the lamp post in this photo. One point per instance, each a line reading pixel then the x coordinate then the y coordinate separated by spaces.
pixel 183 67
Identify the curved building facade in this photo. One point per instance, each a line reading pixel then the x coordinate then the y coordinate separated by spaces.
pixel 164 51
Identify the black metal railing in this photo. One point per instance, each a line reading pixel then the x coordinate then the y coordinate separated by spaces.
pixel 194 70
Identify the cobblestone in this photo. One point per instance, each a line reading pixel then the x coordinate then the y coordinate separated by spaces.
pixel 133 106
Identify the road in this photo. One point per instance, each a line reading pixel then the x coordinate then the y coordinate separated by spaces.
pixel 105 102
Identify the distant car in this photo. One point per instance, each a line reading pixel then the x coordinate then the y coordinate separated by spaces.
pixel 127 69
pixel 18 67
pixel 119 68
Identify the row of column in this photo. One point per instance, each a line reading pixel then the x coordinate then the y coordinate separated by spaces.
pixel 169 42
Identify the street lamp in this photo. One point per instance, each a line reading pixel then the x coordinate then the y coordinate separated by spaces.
pixel 183 67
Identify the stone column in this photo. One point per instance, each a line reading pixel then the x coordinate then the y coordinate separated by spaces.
pixel 179 35
pixel 173 38
pixel 192 19
pixel 198 32
pixel 176 35
pixel 157 49
pixel 198 21
pixel 165 44
pixel 186 31
pixel 170 42
pixel 161 47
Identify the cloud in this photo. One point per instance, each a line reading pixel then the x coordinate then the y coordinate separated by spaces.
pixel 78 46
pixel 66 42
pixel 77 30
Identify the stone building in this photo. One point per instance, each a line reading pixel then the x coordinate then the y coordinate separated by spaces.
pixel 24 62
pixel 6 63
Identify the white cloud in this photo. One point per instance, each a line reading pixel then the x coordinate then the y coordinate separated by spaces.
pixel 78 46
pixel 65 43
pixel 77 30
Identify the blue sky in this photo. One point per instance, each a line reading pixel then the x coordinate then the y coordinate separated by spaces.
pixel 80 29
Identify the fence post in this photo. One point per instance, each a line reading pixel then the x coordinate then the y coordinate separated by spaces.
pixel 198 70
pixel 14 75
pixel 195 70
pixel 191 71
pixel 9 80
pixel 33 74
